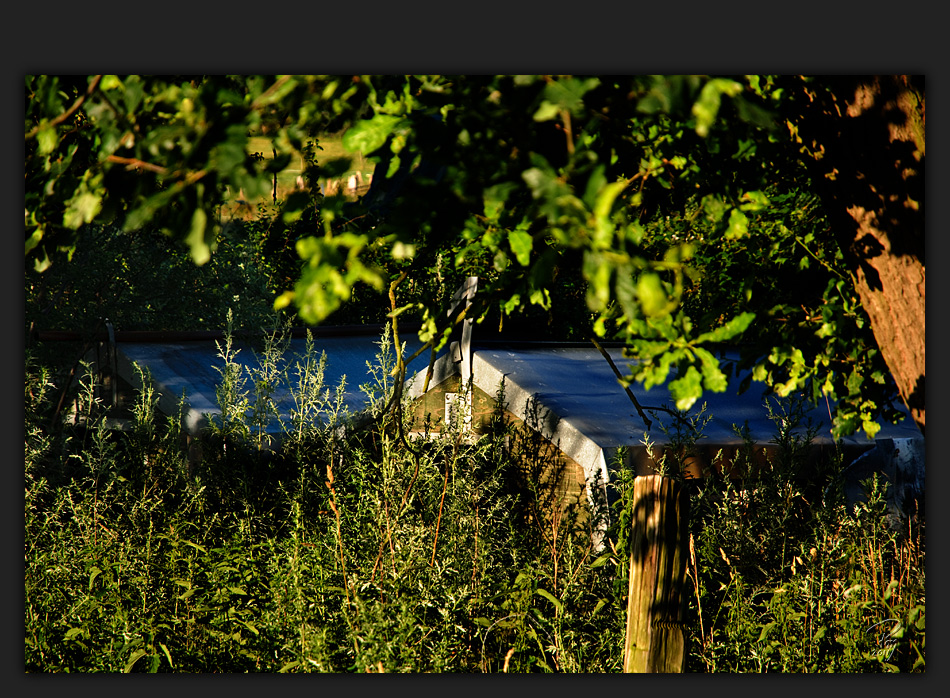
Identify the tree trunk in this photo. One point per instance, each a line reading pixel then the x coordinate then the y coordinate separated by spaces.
pixel 866 138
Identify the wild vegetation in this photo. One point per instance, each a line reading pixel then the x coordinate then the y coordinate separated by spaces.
pixel 350 551
pixel 629 207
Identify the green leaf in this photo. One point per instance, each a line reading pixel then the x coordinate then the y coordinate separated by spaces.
pixel 604 227
pixel 402 250
pixel 686 389
pixel 47 139
pixel 167 654
pixel 546 111
pixel 730 330
pixel 86 202
pixel 135 656
pixel 567 94
pixel 626 290
pixel 707 106
pixel 738 225
pixel 495 198
pixel 714 207
pixel 521 244
pixel 34 239
pixel 713 377
pixel 854 383
pixel 595 183
pixel 512 304
pixel 870 427
pixel 110 82
pixel 196 546
pixel 550 597
pixel 755 201
pixel 657 374
pixel 93 573
pixel 597 272
pixel 651 293
pixel 369 135
pixel 541 296
pixel 200 251
pixel 275 96
pixel 542 181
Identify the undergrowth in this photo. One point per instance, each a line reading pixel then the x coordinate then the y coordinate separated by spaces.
pixel 305 544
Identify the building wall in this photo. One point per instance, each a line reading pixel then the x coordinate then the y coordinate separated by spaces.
pixel 557 483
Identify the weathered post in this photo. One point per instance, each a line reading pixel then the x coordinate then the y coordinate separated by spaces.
pixel 655 640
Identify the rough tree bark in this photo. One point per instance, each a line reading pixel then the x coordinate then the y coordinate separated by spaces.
pixel 865 135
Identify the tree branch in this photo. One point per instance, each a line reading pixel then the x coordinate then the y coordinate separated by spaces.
pixel 620 378
pixel 131 163
pixel 93 86
pixel 260 101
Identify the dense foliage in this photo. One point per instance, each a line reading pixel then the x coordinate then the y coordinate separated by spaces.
pixel 352 552
pixel 672 212
pixel 666 211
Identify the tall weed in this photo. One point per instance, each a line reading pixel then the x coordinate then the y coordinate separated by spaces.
pixel 324 544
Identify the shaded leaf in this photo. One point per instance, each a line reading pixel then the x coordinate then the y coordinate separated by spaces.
pixel 550 597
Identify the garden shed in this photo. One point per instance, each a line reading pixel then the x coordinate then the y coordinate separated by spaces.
pixel 566 392
pixel 570 395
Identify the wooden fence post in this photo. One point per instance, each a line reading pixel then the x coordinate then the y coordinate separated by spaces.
pixel 656 641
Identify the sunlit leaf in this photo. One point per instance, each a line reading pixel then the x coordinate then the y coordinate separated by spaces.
pixel 86 202
pixel 730 330
pixel 369 135
pixel 706 107
pixel 521 244
pixel 34 239
pixel 550 597
pixel 603 233
pixel 738 225
pixel 200 251
pixel 47 139
pixel 546 111
pixel 652 295
pixel 133 658
pixel 713 377
pixel 686 389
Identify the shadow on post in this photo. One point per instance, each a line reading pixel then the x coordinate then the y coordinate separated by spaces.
pixel 655 641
